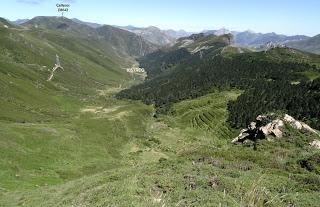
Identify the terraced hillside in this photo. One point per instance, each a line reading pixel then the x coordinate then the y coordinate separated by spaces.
pixel 205 113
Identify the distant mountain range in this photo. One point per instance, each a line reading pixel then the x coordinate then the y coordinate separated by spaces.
pixel 247 38
pixel 90 24
pixel 152 34
pixel 20 21
pixel 256 39
pixel 156 35
pixel 310 45
pixel 253 39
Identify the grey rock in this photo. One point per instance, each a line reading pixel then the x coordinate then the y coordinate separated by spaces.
pixel 264 126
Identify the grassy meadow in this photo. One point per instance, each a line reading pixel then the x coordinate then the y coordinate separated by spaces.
pixel 109 152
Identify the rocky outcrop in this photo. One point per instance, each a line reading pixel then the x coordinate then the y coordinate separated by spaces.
pixel 315 144
pixel 252 132
pixel 273 128
pixel 271 45
pixel 265 126
pixel 297 124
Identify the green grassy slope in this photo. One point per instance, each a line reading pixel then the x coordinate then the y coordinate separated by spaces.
pixel 90 62
pixel 27 56
pixel 126 41
pixel 172 162
pixel 122 41
pixel 45 136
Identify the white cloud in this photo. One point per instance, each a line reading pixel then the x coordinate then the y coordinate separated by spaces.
pixel 34 2
pixel 30 1
pixel 68 1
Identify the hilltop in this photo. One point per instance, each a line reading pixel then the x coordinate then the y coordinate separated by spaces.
pixel 121 40
pixel 151 34
pixel 5 23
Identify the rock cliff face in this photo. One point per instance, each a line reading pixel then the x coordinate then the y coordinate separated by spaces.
pixel 265 126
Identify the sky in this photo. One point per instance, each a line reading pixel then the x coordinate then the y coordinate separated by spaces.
pixel 288 17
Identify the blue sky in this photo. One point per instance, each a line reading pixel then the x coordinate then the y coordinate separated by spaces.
pixel 280 16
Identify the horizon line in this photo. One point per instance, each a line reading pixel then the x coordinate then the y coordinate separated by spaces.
pixel 163 29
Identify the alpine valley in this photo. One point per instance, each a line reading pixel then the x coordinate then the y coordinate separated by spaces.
pixel 101 115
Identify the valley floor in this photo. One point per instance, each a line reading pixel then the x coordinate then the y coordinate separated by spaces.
pixel 110 152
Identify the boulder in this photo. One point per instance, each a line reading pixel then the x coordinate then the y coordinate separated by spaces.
pixel 315 143
pixel 273 128
pixel 294 123
pixel 241 137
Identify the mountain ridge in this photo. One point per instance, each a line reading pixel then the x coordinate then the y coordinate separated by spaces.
pixel 310 45
pixel 254 39
pixel 152 34
pixel 246 38
pixel 120 39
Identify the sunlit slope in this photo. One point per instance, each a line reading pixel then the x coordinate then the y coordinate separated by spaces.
pixel 28 55
pixel 47 133
pixel 78 143
pixel 171 162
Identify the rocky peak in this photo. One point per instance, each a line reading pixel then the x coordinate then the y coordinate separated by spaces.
pixel 271 45
pixel 228 38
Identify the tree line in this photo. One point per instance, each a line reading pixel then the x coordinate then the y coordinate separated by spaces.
pixel 268 83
